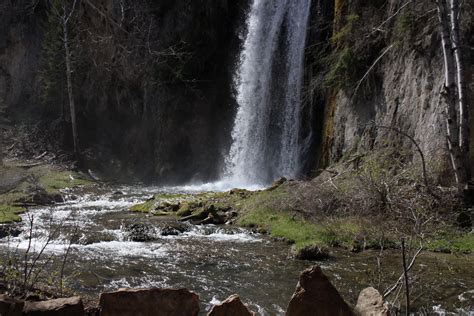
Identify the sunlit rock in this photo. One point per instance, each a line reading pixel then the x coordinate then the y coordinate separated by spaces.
pixel 315 295
pixel 59 307
pixel 370 303
pixel 136 302
pixel 232 306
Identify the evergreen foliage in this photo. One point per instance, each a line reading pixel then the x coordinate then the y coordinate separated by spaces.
pixel 52 74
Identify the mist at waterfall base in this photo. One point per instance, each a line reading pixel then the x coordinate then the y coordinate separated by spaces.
pixel 268 81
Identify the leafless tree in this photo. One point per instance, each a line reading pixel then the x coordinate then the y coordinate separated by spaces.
pixel 64 10
pixel 454 91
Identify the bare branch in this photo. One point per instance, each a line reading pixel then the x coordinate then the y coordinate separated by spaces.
pixel 71 12
pixel 400 279
pixel 370 69
pixel 379 27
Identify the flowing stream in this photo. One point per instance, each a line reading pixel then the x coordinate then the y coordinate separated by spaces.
pixel 213 261
pixel 268 83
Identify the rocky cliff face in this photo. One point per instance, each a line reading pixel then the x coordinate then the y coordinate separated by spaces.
pixel 385 69
pixel 152 81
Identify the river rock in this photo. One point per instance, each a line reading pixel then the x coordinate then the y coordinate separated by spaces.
pixel 232 306
pixel 315 295
pixel 10 306
pixel 277 183
pixel 201 214
pixel 59 307
pixel 140 232
pixel 186 209
pixel 312 252
pixel 149 302
pixel 96 237
pixel 173 229
pixel 241 192
pixel 12 230
pixel 370 303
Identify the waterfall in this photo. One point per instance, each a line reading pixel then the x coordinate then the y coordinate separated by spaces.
pixel 265 142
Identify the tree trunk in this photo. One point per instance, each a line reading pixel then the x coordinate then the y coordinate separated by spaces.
pixel 1 147
pixel 72 106
pixel 457 158
pixel 460 82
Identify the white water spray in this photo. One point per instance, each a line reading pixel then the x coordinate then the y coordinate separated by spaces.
pixel 268 84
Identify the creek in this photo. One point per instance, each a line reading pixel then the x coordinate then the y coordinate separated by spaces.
pixel 213 261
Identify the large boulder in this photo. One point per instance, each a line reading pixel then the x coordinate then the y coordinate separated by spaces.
pixel 232 306
pixel 149 302
pixel 140 232
pixel 10 306
pixel 173 229
pixel 59 307
pixel 315 295
pixel 370 303
pixel 12 230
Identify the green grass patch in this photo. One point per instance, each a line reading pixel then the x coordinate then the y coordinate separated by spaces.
pixel 282 225
pixel 11 197
pixel 340 232
pixel 10 213
pixel 452 243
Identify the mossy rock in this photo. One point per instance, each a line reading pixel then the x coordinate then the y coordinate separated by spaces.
pixel 160 204
pixel 186 209
pixel 9 213
pixel 145 207
pixel 38 185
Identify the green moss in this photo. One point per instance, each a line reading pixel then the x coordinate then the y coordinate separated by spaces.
pixel 184 210
pixel 170 196
pixel 11 197
pixel 154 202
pixel 404 26
pixel 346 31
pixel 343 68
pixel 145 207
pixel 200 212
pixel 53 180
pixel 10 213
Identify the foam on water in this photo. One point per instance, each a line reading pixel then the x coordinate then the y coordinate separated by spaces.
pixel 222 237
pixel 223 185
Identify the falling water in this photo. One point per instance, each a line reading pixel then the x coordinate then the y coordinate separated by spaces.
pixel 268 84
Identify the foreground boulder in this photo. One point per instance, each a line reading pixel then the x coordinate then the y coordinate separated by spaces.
pixel 149 302
pixel 232 306
pixel 370 303
pixel 10 306
pixel 315 295
pixel 59 307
